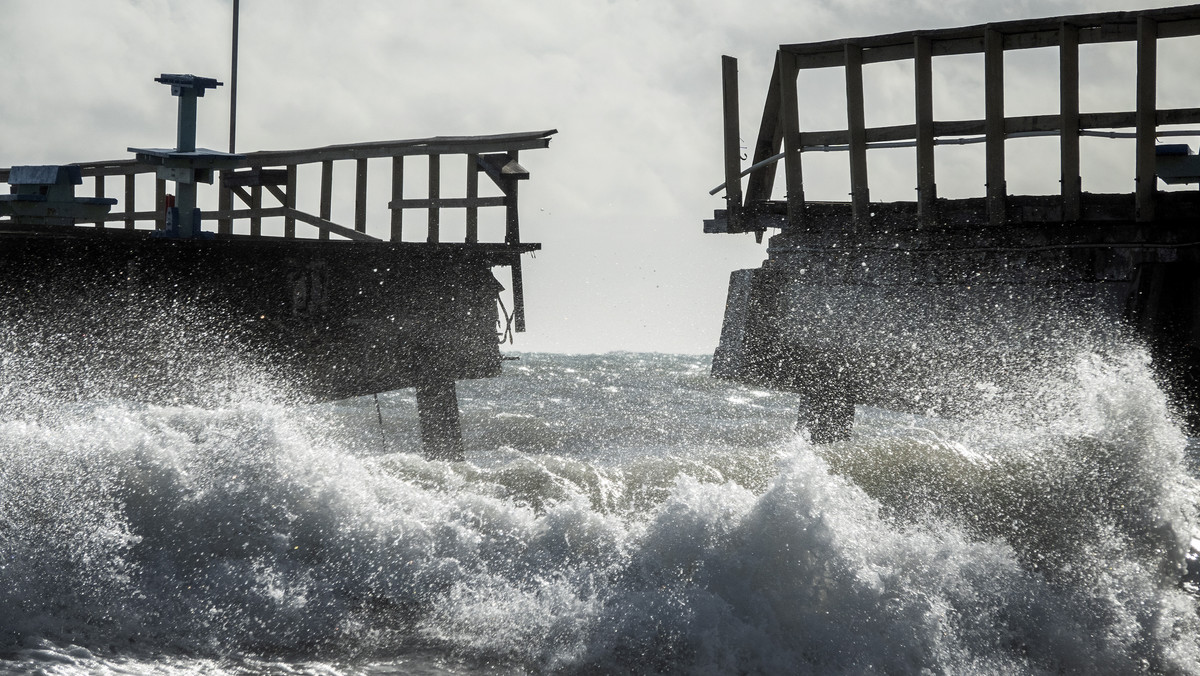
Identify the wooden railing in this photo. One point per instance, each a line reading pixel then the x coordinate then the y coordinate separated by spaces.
pixel 264 185
pixel 781 122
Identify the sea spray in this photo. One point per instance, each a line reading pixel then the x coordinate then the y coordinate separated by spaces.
pixel 617 513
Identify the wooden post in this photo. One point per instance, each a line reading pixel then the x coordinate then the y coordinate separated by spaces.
pixel 993 85
pixel 435 193
pixel 926 173
pixel 360 194
pixel 224 203
pixel 1146 117
pixel 129 201
pixel 1068 106
pixel 437 412
pixel 326 194
pixel 790 112
pixel 860 198
pixel 99 179
pixel 256 206
pixel 160 204
pixel 733 145
pixel 512 235
pixel 397 233
pixel 472 196
pixel 770 137
pixel 289 223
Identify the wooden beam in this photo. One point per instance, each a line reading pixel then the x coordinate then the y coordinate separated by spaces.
pixel 435 193
pixel 360 195
pixel 926 173
pixel 438 145
pixel 326 208
pixel 860 198
pixel 1068 107
pixel 224 203
pixel 449 202
pixel 130 182
pixel 1147 68
pixel 99 181
pixel 761 182
pixel 790 112
pixel 397 230
pixel 256 209
pixel 733 145
pixel 348 233
pixel 160 204
pixel 512 217
pixel 289 201
pixel 993 85
pixel 472 198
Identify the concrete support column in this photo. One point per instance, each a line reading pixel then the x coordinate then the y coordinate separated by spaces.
pixel 437 410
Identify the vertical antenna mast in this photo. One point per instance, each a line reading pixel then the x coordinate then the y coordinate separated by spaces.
pixel 233 80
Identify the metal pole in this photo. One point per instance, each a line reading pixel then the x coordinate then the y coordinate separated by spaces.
pixel 233 79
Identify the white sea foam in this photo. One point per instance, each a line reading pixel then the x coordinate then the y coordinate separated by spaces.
pixel 637 522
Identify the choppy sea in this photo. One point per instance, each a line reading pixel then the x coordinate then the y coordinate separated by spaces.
pixel 617 513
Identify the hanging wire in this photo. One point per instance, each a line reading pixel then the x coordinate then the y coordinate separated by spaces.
pixel 379 413
pixel 505 329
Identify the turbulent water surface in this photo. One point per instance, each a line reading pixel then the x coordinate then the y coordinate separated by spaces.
pixel 616 513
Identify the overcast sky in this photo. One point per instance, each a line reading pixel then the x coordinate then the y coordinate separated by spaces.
pixel 632 86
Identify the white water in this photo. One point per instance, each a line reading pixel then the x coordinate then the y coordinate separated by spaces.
pixel 617 513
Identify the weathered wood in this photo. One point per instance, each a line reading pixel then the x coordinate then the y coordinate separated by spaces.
pixel 790 113
pixel 770 138
pixel 360 195
pixel 349 233
pixel 448 203
pixel 1147 68
pixel 860 198
pixel 926 174
pixel 472 204
pixel 993 85
pixel 224 203
pixel 397 230
pixel 160 204
pixel 733 140
pixel 1068 106
pixel 256 207
pixel 289 201
pixel 435 193
pixel 512 216
pixel 326 208
pixel 130 186
pixel 99 181
pixel 438 145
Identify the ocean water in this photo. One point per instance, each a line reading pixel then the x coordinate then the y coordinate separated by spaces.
pixel 618 513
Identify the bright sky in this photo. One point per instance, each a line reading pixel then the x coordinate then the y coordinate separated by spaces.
pixel 632 86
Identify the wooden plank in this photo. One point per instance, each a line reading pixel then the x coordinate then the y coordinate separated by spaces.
pixel 1147 68
pixel 512 217
pixel 323 224
pixel 447 202
pixel 790 112
pixel 99 181
pixel 860 199
pixel 397 230
pixel 435 193
pixel 289 201
pixel 130 185
pixel 224 203
pixel 326 208
pixel 437 145
pixel 761 182
pixel 472 199
pixel 160 204
pixel 518 291
pixel 993 85
pixel 256 209
pixel 1068 106
pixel 926 173
pixel 360 195
pixel 733 141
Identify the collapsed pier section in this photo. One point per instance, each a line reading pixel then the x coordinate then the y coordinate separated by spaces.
pixel 935 304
